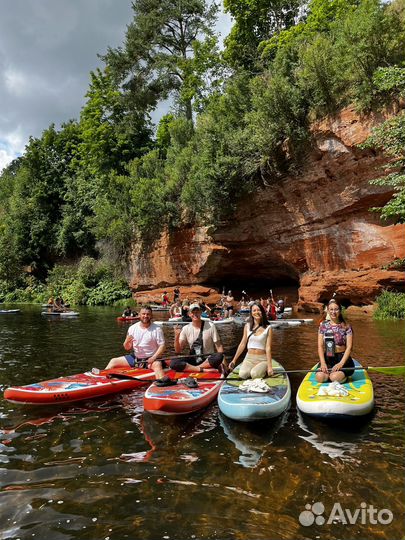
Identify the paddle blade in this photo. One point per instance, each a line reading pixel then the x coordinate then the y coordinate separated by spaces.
pixel 397 371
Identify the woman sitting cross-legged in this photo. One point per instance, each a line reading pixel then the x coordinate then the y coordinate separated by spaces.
pixel 335 342
pixel 257 338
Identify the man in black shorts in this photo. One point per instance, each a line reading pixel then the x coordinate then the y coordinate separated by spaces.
pixel 206 350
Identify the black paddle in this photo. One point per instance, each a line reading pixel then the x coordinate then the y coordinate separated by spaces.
pixel 387 370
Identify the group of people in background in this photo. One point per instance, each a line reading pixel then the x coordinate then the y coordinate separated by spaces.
pixel 57 304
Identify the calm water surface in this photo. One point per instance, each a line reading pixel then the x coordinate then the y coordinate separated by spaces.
pixel 106 470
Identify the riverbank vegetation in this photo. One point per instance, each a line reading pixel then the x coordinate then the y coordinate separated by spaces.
pixel 239 121
pixel 390 305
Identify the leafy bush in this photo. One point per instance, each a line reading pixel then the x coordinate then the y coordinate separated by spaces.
pixel 107 292
pixel 29 290
pixel 88 283
pixel 390 137
pixel 390 305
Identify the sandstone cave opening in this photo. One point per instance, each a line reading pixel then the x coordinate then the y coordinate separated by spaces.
pixel 257 288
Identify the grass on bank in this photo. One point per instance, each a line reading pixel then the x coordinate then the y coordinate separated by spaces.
pixel 390 305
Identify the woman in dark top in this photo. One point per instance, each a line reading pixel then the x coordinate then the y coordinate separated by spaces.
pixel 335 342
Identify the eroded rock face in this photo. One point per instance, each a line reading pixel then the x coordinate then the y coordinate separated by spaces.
pixel 315 229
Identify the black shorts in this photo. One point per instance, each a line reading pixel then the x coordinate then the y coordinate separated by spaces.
pixel 330 362
pixel 141 362
pixel 179 364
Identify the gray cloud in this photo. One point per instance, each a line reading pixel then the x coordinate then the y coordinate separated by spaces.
pixel 47 50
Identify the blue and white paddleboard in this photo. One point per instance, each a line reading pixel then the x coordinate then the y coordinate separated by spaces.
pixel 250 406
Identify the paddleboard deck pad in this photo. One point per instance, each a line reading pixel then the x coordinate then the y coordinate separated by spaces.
pixel 358 401
pixel 245 406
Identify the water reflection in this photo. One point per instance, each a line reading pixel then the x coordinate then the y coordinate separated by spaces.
pixel 163 433
pixel 251 439
pixel 334 440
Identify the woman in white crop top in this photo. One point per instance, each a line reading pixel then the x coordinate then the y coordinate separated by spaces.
pixel 257 339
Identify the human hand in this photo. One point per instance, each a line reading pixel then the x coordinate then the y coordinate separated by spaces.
pixel 337 367
pixel 231 365
pixel 323 367
pixel 270 371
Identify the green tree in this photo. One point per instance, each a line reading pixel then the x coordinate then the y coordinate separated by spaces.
pixel 255 21
pixel 371 37
pixel 319 19
pixel 390 138
pixel 163 138
pixel 168 48
pixel 36 205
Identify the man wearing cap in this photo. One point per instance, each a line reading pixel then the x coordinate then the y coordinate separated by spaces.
pixel 206 350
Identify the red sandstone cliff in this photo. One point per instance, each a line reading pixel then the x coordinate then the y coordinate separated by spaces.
pixel 315 229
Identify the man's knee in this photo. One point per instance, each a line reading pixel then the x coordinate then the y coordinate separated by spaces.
pixel 215 360
pixel 178 364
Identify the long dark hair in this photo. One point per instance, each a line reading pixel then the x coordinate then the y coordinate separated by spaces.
pixel 264 322
pixel 339 305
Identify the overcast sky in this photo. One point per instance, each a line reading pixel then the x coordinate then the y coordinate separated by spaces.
pixel 47 50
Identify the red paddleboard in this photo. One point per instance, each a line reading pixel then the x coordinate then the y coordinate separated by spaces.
pixel 128 318
pixel 81 386
pixel 180 399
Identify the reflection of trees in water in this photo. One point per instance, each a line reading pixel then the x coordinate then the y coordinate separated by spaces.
pixel 251 439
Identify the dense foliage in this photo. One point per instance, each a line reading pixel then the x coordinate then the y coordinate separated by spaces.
pixel 390 305
pixel 239 121
pixel 390 137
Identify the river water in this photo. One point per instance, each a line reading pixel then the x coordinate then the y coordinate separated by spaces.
pixel 106 470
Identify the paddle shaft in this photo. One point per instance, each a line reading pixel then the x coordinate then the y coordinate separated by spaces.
pixel 276 372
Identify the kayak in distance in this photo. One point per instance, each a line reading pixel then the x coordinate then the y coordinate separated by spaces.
pixel 88 385
pixel 9 311
pixel 334 400
pixel 294 322
pixel 173 321
pixel 247 310
pixel 255 399
pixel 128 319
pixel 159 308
pixel 60 313
pixel 275 324
pixel 243 320
pixel 190 394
